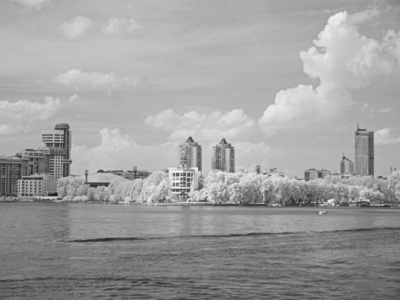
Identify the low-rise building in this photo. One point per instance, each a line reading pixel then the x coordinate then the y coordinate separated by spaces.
pixel 37 185
pixel 130 174
pixel 182 180
pixel 312 174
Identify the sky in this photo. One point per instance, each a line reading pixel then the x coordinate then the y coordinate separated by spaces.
pixel 285 82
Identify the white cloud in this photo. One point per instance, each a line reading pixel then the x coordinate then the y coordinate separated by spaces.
pixel 232 125
pixel 118 25
pixel 77 27
pixel 385 137
pixel 364 107
pixel 119 151
pixel 109 82
pixel 383 110
pixel 342 59
pixel 19 116
pixel 32 3
pixel 73 98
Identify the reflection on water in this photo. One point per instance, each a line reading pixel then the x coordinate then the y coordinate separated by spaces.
pixel 110 251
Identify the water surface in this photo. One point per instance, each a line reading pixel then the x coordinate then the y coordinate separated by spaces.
pixel 53 251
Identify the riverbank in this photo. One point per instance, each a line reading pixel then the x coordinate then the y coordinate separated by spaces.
pixel 58 201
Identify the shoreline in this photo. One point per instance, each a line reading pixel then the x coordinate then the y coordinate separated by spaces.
pixel 381 206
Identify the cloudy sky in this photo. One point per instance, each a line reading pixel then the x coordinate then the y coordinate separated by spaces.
pixel 284 81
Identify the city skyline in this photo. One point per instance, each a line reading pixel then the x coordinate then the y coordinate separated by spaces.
pixel 134 79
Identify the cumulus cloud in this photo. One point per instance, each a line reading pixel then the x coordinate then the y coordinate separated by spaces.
pixel 118 25
pixel 119 151
pixel 342 59
pixel 232 125
pixel 38 4
pixel 19 116
pixel 77 27
pixel 102 81
pixel 385 137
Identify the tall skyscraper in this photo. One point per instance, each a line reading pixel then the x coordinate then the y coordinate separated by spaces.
pixel 190 154
pixel 364 152
pixel 223 157
pixel 58 141
pixel 346 166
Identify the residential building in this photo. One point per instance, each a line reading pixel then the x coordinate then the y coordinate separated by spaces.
pixel 223 157
pixel 37 185
pixel 310 174
pixel 190 154
pixel 258 169
pixel 35 161
pixel 58 142
pixel 364 152
pixel 11 168
pixel 346 166
pixel 182 180
pixel 323 173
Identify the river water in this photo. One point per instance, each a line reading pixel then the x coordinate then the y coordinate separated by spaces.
pixel 89 251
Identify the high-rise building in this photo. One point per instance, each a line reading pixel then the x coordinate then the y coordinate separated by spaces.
pixel 346 166
pixel 58 141
pixel 35 161
pixel 364 152
pixel 223 157
pixel 10 171
pixel 190 154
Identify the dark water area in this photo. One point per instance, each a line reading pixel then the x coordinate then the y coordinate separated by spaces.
pixel 78 251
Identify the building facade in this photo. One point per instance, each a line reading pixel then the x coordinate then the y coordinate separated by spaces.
pixel 364 152
pixel 35 161
pixel 223 157
pixel 36 185
pixel 182 180
pixel 323 173
pixel 58 143
pixel 190 154
pixel 346 166
pixel 310 174
pixel 11 169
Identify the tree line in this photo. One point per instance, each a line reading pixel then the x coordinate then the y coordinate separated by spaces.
pixel 238 188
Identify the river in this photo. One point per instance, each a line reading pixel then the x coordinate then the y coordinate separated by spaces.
pixel 94 251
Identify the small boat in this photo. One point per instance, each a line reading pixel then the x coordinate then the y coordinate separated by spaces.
pixel 322 212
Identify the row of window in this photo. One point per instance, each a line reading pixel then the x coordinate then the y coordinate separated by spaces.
pixel 182 185
pixel 182 174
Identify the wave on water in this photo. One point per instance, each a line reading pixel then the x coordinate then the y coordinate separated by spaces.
pixel 232 235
